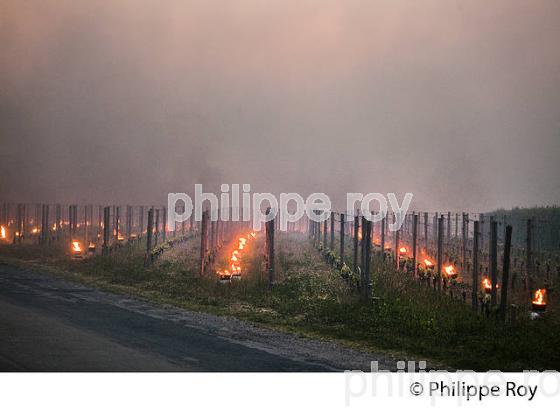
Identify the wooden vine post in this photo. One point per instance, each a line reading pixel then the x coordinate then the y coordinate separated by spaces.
pixel 99 221
pixel 117 223
pixel 156 225
pixel 383 237
pixel 426 242
pixel 270 248
pixel 87 222
pixel 71 221
pixel 505 275
pixel 332 231
pixel 481 231
pixel 366 238
pixel 363 244
pixel 529 256
pixel 355 248
pixel 203 242
pixel 464 243
pixel 106 229
pixel 149 236
pixel 476 239
pixel 494 261
pixel 58 222
pixel 439 251
pixel 141 222
pixel 325 227
pixel 164 224
pixel 342 228
pixel 448 230
pixel 397 243
pixel 415 243
pixel 45 231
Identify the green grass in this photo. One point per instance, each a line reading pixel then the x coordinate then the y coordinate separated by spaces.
pixel 311 298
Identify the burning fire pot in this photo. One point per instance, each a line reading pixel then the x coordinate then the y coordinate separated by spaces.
pixel 450 271
pixel 487 285
pixel 224 276
pixel 91 247
pixel 539 301
pixel 76 250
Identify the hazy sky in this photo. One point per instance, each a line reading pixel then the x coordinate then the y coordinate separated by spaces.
pixel 124 101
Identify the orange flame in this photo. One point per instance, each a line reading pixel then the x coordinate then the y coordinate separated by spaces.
pixel 236 256
pixel 402 250
pixel 450 271
pixel 539 298
pixel 428 263
pixel 76 247
pixel 223 274
pixel 3 232
pixel 486 284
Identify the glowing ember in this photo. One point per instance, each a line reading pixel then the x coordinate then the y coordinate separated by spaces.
pixel 3 234
pixel 35 230
pixel 450 271
pixel 428 263
pixel 76 247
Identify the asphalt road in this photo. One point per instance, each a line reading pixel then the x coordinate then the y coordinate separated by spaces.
pixel 48 324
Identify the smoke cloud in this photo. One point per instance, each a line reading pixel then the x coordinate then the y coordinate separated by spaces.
pixel 457 102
